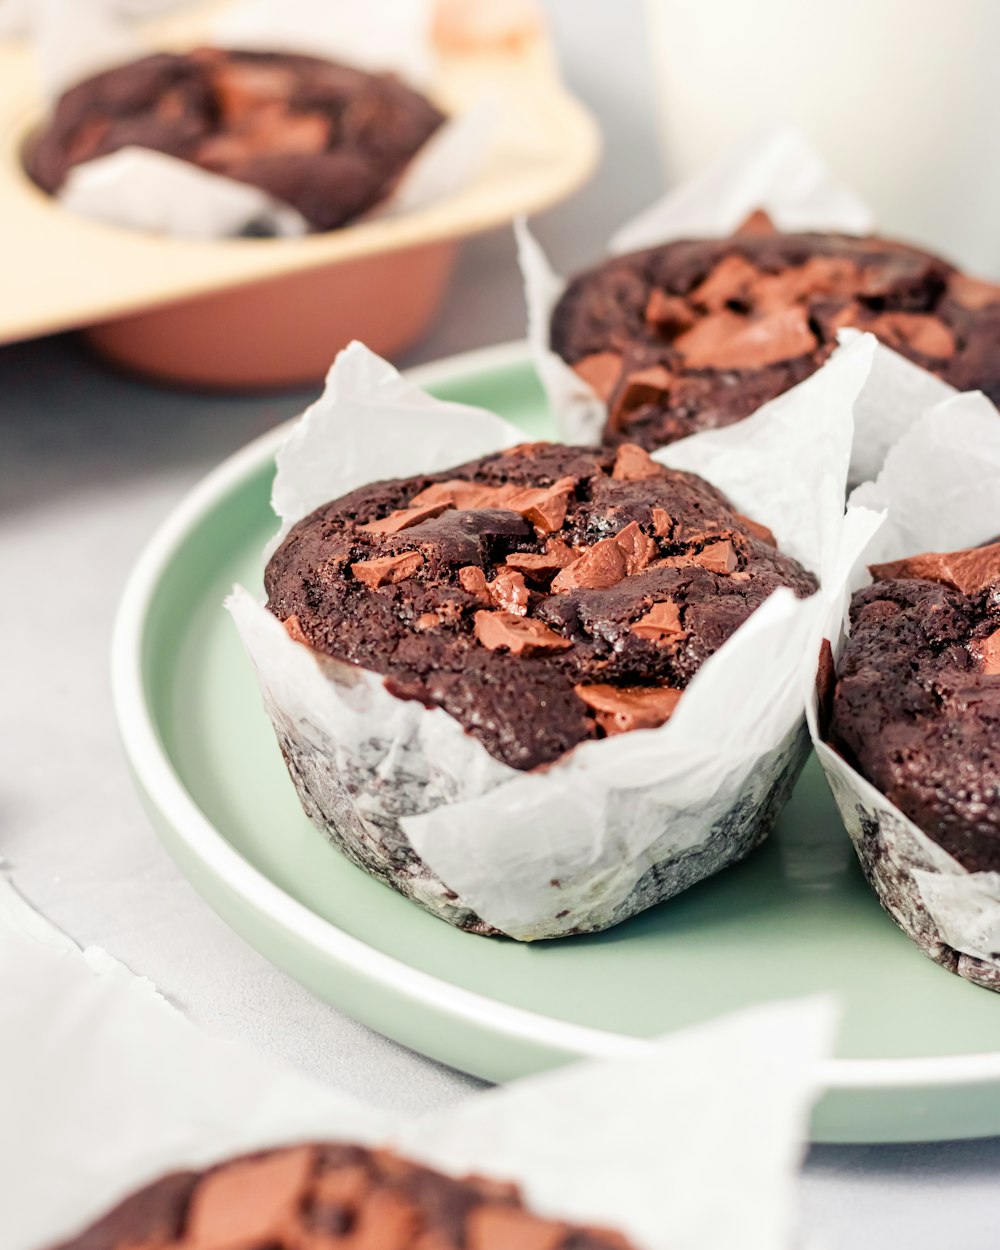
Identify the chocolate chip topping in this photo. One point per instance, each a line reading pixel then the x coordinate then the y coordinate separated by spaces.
pixel 539 572
pixel 698 334
pixel 968 571
pixel 916 706
pixel 319 1197
pixel 328 139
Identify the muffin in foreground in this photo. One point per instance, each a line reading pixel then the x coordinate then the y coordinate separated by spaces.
pixel 316 1197
pixel 547 689
pixel 915 709
pixel 326 138
pixel 542 596
pixel 700 333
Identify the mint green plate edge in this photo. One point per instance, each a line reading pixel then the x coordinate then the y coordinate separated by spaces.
pixel 864 1100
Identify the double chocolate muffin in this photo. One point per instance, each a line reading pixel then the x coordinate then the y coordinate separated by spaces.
pixel 326 138
pixel 319 1197
pixel 542 596
pixel 916 703
pixel 698 334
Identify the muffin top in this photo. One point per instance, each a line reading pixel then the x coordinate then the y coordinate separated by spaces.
pixel 542 596
pixel 317 1197
pixel 326 138
pixel 916 704
pixel 698 334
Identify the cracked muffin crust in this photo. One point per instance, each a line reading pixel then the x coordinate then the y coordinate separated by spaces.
pixel 916 703
pixel 699 334
pixel 326 138
pixel 321 1197
pixel 542 596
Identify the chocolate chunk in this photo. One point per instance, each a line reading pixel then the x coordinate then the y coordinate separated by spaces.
pixel 728 340
pixel 293 627
pixel 644 386
pixel 661 624
pixel 758 530
pixel 719 557
pixel 668 314
pixel 404 519
pixel 759 222
pixel 516 634
pixel 633 464
pixel 328 139
pixel 544 506
pixel 914 331
pixel 716 557
pixel 251 1202
pixel 730 281
pixel 600 372
pixel 623 708
pixel 968 571
pixel 819 277
pixel 385 570
pixel 473 579
pixel 464 495
pixel 544 564
pixel 499 622
pixel 608 561
pixel 509 592
pixel 731 323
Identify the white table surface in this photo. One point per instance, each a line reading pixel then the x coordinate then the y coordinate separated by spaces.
pixel 90 462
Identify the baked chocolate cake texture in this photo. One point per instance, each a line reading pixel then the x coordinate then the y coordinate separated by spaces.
pixel 328 1196
pixel 326 138
pixel 916 704
pixel 698 334
pixel 543 596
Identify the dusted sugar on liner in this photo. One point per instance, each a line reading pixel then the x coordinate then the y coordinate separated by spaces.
pixel 324 137
pixel 915 709
pixel 542 596
pixel 310 1197
pixel 697 334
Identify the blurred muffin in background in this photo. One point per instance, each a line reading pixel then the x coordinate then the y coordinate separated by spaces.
pixel 326 138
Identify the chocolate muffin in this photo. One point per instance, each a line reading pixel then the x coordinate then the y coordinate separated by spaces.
pixel 543 596
pixel 317 1197
pixel 916 704
pixel 698 334
pixel 326 138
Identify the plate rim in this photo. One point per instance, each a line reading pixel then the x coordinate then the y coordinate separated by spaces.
pixel 159 780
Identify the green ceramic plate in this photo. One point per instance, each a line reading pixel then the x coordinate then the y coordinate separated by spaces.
pixel 918 1048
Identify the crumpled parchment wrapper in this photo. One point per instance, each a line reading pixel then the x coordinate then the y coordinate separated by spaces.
pixel 777 171
pixel 939 490
pixel 689 1143
pixel 147 190
pixel 616 825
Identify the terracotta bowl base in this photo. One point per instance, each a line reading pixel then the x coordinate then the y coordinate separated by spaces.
pixel 284 332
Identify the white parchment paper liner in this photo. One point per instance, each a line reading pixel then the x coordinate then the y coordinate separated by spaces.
pixel 779 172
pixel 148 190
pixel 939 490
pixel 690 1143
pixel 616 825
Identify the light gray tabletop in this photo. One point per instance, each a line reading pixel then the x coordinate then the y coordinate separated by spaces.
pixel 90 462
